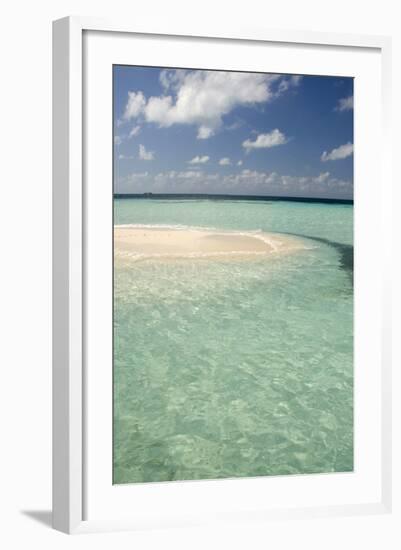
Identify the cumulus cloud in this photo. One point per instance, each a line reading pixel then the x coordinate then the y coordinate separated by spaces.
pixel 244 182
pixel 288 82
pixel 324 176
pixel 205 132
pixel 339 153
pixel 225 161
pixel 135 131
pixel 203 98
pixel 144 154
pixel 135 105
pixel 345 104
pixel 117 140
pixel 199 160
pixel 171 79
pixel 239 163
pixel 265 141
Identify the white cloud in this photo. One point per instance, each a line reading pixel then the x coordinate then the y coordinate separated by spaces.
pixel 135 131
pixel 144 154
pixel 239 163
pixel 171 79
pixel 322 177
pixel 287 83
pixel 188 174
pixel 204 132
pixel 264 141
pixel 225 161
pixel 124 157
pixel 199 160
pixel 117 140
pixel 135 105
pixel 250 182
pixel 203 98
pixel 345 104
pixel 234 125
pixel 296 79
pixel 339 153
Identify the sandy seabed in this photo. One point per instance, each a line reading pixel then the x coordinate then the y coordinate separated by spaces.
pixel 149 242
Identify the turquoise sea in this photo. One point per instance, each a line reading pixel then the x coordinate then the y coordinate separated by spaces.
pixel 235 368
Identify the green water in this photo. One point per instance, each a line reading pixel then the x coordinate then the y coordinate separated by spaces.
pixel 235 368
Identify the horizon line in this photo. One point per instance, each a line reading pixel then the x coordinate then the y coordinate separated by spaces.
pixel 150 195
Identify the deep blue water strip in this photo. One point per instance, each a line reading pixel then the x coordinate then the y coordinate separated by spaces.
pixel 175 196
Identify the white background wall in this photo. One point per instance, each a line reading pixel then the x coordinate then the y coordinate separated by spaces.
pixel 25 218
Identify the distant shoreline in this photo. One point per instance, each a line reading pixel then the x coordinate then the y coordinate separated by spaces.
pixel 183 196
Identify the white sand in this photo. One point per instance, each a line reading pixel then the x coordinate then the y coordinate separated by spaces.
pixel 149 242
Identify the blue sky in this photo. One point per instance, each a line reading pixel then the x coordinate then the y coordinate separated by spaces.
pixel 192 131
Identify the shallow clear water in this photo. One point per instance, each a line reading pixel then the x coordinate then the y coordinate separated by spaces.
pixel 235 368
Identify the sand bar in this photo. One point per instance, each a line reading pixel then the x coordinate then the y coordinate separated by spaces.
pixel 148 242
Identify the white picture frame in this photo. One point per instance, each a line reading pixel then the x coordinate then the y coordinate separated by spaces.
pixel 70 256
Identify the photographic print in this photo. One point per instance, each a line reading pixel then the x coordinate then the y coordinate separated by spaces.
pixel 233 274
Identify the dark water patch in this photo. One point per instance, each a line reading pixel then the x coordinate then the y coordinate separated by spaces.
pixel 345 251
pixel 217 197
